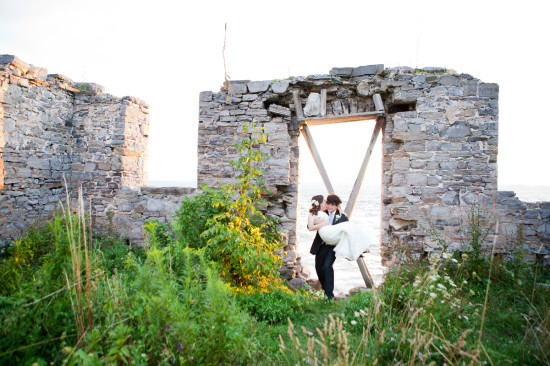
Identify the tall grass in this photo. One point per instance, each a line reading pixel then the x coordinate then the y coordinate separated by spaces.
pixel 456 309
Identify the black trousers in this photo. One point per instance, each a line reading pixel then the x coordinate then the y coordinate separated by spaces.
pixel 323 266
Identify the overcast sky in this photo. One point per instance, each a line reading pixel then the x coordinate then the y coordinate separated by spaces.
pixel 166 52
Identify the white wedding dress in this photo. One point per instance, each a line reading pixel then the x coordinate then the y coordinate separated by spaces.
pixel 350 240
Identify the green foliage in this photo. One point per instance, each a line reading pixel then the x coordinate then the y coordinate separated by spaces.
pixel 274 305
pixel 227 221
pixel 158 234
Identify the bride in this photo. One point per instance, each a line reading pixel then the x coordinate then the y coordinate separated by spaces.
pixel 349 240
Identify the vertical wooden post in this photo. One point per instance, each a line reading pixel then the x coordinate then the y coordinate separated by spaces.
pixel 365 272
pixel 378 103
pixel 323 102
pixel 298 105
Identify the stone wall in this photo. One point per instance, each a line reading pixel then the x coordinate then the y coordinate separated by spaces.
pixel 54 131
pixel 440 144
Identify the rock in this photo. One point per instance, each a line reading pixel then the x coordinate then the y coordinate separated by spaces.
pixel 313 105
pixel 89 89
pixel 286 273
pixel 236 88
pixel 358 289
pixel 39 73
pixel 258 86
pixel 291 256
pixel 341 71
pixel 398 224
pixel 367 70
pixel 314 283
pixel 297 283
pixel 279 110
pixel 406 96
pixel 364 88
pixel 544 231
pixel 488 90
pixel 280 87
pixel 451 198
pixel 205 96
pixel 15 62
pixel 458 130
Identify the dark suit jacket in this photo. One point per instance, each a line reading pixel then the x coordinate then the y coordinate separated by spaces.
pixel 317 242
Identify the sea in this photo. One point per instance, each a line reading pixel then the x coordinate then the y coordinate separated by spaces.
pixel 366 214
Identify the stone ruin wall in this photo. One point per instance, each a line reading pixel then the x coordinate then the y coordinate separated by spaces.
pixel 52 131
pixel 440 145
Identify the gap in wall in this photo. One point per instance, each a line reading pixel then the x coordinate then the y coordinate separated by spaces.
pixel 342 148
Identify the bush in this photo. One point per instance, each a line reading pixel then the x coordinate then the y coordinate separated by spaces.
pixel 227 222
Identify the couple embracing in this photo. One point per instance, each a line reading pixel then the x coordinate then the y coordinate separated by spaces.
pixel 336 237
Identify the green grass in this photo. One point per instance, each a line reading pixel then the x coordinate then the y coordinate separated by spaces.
pixel 169 305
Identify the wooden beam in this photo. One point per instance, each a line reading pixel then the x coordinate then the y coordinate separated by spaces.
pixel 317 121
pixel 363 169
pixel 315 153
pixel 323 102
pixel 298 104
pixel 378 102
pixel 365 272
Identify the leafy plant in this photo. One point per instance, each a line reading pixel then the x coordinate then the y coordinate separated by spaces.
pixel 228 223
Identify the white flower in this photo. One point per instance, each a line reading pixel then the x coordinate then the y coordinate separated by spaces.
pixel 353 322
pixel 315 203
pixel 357 315
pixel 432 294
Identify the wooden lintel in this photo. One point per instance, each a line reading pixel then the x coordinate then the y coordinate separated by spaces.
pixel 315 153
pixel 317 121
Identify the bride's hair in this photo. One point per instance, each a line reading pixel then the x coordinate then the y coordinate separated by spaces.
pixel 316 204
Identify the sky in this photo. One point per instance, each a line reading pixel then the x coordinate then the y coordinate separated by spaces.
pixel 167 52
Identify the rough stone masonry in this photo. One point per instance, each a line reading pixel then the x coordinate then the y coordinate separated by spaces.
pixel 440 144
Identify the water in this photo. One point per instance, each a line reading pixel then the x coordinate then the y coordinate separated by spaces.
pixel 366 214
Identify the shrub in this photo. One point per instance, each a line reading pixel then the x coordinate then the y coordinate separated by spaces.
pixel 227 221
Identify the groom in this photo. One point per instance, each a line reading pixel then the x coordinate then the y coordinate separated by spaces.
pixel 324 254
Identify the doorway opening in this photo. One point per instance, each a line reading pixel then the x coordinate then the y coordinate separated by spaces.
pixel 342 149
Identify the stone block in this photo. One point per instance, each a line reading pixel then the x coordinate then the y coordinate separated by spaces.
pixel 89 89
pixel 39 73
pixel 313 105
pixel 15 62
pixel 440 212
pixel 297 283
pixel 236 88
pixel 341 71
pixel 488 90
pixel 279 110
pixel 406 96
pixel 449 80
pixel 543 231
pixel 417 179
pixel 470 88
pixel 280 87
pixel 451 198
pixel 258 86
pixel 367 70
